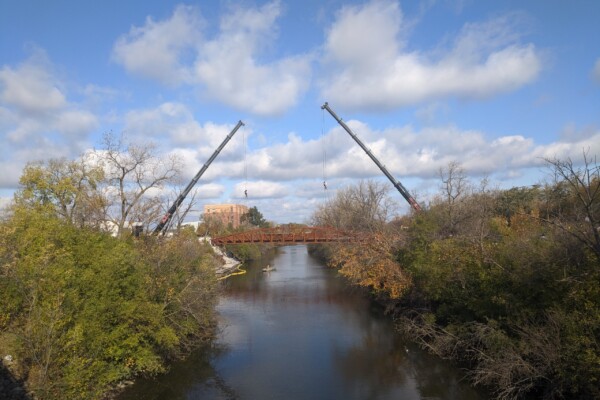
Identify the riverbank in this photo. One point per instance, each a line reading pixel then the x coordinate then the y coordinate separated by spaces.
pixel 228 264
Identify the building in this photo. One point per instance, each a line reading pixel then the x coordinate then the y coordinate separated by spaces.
pixel 226 213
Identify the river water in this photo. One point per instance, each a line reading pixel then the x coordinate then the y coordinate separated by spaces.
pixel 300 332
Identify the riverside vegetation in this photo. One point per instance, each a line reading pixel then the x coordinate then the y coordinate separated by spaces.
pixel 505 282
pixel 83 311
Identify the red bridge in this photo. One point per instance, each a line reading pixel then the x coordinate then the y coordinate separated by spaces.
pixel 287 234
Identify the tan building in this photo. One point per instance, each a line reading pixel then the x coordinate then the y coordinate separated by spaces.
pixel 226 213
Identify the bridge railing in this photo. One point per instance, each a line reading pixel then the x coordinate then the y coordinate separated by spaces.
pixel 287 235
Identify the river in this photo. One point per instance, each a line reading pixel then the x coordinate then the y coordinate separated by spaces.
pixel 300 332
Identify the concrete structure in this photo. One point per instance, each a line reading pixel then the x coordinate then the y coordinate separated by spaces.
pixel 226 213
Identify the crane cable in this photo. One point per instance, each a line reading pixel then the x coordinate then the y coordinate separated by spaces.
pixel 245 166
pixel 324 149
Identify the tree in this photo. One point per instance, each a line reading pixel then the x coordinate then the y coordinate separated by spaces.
pixel 255 218
pixel 90 310
pixel 132 172
pixel 365 207
pixel 454 188
pixel 184 208
pixel 67 188
pixel 372 265
pixel 579 200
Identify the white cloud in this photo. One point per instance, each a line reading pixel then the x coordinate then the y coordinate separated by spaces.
pixel 4 203
pixel 37 121
pixel 30 88
pixel 596 71
pixel 370 66
pixel 156 49
pixel 210 191
pixel 163 120
pixel 177 122
pixel 230 69
pixel 407 153
pixel 32 102
pixel 75 123
pixel 261 189
pixel 227 68
pixel 294 167
pixel 290 173
pixel 174 125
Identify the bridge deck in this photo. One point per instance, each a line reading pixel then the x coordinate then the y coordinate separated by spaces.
pixel 286 235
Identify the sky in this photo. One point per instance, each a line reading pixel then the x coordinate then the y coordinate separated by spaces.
pixel 495 86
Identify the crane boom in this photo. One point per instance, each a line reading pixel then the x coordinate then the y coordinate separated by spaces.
pixel 413 203
pixel 167 217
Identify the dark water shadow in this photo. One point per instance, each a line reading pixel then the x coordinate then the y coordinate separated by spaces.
pixel 193 378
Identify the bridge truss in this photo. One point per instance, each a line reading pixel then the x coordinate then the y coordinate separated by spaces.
pixel 287 235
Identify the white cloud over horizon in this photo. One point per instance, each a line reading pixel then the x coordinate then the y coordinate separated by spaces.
pixel 406 152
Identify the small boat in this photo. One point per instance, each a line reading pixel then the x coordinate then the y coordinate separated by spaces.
pixel 268 268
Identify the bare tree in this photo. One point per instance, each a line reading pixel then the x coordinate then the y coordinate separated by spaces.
pixel 365 207
pixel 133 171
pixel 184 209
pixel 580 211
pixel 454 188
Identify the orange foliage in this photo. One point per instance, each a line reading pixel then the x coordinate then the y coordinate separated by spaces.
pixel 372 264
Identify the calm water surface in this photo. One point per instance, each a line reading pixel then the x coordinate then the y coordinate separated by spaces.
pixel 300 332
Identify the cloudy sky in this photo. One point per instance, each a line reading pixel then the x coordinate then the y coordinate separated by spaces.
pixel 496 86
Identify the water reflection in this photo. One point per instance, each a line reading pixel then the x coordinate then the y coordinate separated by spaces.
pixel 300 333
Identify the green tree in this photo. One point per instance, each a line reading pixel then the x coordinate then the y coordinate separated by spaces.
pixel 69 188
pixel 255 218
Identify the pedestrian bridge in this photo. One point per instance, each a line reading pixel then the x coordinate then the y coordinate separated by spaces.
pixel 287 234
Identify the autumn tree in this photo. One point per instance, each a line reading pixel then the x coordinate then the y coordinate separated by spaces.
pixel 366 208
pixel 70 189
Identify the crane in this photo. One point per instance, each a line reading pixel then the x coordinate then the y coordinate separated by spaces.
pixel 413 203
pixel 167 217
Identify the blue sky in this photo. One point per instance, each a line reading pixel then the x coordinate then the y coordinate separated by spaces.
pixel 496 86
